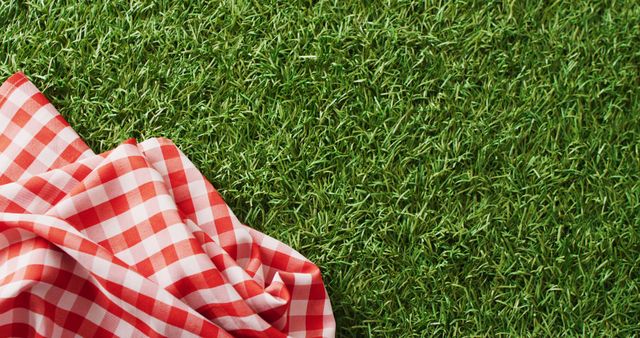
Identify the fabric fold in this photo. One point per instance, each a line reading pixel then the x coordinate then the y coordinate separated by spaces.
pixel 133 242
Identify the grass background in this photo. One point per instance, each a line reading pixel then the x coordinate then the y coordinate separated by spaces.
pixel 454 168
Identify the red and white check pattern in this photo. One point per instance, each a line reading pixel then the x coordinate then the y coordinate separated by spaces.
pixel 133 242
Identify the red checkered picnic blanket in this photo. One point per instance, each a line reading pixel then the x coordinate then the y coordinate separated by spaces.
pixel 132 242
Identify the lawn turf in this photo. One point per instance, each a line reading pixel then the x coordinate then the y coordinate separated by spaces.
pixel 461 168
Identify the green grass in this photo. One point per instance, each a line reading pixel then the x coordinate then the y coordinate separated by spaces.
pixel 454 169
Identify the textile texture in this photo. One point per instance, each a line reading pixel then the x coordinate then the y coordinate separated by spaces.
pixel 133 242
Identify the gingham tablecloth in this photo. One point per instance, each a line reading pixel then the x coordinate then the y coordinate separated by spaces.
pixel 132 242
